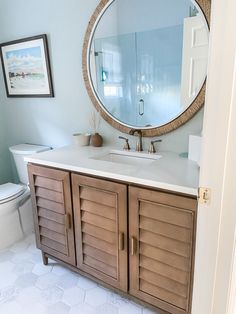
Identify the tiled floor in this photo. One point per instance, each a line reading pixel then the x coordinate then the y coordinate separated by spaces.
pixel 29 287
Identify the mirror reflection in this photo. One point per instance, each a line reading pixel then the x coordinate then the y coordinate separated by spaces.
pixel 148 59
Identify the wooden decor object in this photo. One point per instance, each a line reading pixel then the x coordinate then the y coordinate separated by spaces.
pixel 96 140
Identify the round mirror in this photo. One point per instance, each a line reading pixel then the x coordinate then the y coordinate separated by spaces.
pixel 145 62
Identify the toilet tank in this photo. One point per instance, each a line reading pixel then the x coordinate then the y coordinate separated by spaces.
pixel 19 152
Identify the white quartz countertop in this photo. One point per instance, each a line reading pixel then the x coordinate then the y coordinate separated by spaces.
pixel 170 172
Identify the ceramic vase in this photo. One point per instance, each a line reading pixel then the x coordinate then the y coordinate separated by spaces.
pixel 96 140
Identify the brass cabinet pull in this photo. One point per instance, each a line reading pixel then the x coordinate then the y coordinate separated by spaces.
pixel 121 241
pixel 133 246
pixel 68 221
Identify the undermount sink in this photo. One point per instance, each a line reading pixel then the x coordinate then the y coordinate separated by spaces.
pixel 128 157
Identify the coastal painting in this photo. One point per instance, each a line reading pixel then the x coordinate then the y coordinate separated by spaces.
pixel 26 67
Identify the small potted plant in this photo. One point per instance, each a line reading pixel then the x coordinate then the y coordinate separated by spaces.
pixel 95 120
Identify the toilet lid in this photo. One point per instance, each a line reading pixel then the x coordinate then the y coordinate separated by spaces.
pixel 8 190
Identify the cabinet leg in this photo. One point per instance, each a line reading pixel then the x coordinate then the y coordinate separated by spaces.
pixel 45 258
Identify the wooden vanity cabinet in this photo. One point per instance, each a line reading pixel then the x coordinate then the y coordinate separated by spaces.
pixel 161 231
pixel 137 240
pixel 100 215
pixel 52 211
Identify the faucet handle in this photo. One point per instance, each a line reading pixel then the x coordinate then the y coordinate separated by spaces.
pixel 152 149
pixel 126 145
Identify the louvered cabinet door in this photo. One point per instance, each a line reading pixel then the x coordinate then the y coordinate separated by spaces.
pixel 100 215
pixel 52 209
pixel 162 235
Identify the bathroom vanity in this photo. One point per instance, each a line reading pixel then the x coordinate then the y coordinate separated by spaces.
pixel 129 226
pixel 128 220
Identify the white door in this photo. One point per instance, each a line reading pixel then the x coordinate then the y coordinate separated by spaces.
pixel 195 56
pixel 216 221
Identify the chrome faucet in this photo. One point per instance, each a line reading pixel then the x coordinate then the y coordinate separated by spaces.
pixel 139 145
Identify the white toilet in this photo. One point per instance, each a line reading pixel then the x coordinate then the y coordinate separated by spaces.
pixel 16 219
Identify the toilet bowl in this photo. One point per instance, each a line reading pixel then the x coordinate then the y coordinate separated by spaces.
pixel 10 220
pixel 16 218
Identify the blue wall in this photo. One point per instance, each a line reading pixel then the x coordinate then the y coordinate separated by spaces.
pixel 5 165
pixel 53 121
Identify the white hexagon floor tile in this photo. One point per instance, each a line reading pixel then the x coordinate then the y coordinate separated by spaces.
pixel 148 311
pixel 21 257
pixel 23 267
pixel 8 294
pixel 107 309
pixel 130 308
pixel 82 309
pixel 36 308
pixel 96 296
pixel 86 283
pixel 29 296
pixel 117 300
pixel 19 247
pixel 51 295
pixel 26 280
pixel 68 281
pixel 35 256
pixel 27 286
pixel 11 308
pixel 8 277
pixel 6 256
pixel 6 267
pixel 40 269
pixel 46 281
pixel 58 308
pixel 74 296
pixel 59 270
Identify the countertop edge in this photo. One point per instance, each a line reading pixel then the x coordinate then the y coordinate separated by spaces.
pixel 147 183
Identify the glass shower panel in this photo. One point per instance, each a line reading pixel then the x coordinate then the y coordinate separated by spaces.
pixel 116 75
pixel 159 66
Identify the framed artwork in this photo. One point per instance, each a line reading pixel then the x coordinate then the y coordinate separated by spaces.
pixel 26 67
